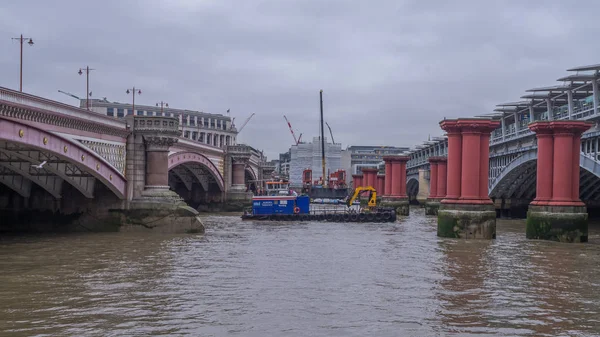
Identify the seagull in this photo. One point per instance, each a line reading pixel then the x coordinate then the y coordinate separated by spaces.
pixel 40 165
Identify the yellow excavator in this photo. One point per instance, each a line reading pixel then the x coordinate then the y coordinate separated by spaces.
pixel 372 196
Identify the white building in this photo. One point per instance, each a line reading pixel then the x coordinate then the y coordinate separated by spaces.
pixel 308 156
pixel 211 129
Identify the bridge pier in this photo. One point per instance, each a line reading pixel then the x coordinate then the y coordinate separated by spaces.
pixel 237 197
pixel 155 208
pixel 467 211
pixel 557 213
pixel 437 184
pixel 396 195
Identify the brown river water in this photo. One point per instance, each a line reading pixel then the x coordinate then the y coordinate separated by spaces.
pixel 300 279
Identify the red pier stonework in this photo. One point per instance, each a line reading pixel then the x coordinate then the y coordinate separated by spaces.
pixel 437 184
pixel 357 180
pixel 467 211
pixel 380 183
pixel 395 184
pixel 557 213
pixel 370 177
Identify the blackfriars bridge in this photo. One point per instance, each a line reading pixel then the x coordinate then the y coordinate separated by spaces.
pixel 98 167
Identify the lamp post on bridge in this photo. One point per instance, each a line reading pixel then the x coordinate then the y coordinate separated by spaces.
pixel 161 106
pixel 21 39
pixel 133 91
pixel 88 94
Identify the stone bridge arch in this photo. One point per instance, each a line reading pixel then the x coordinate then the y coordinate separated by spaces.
pixel 22 146
pixel 186 165
pixel 412 187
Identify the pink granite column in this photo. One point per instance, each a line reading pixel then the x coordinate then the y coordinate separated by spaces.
pixel 433 177
pixel 380 184
pixel 370 175
pixel 454 162
pixel 157 169
pixel 545 160
pixel 485 165
pixel 402 160
pixel 441 178
pixel 562 168
pixel 565 169
pixel 471 163
pixel 239 173
pixel 388 176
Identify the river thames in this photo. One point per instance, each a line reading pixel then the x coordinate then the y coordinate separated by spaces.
pixel 300 279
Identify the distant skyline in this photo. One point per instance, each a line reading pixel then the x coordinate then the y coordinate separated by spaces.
pixel 390 70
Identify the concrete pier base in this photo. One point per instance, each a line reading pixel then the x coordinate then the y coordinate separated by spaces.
pixel 467 221
pixel 159 210
pixel 431 206
pixel 400 204
pixel 557 223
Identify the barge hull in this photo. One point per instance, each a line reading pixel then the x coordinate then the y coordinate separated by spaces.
pixel 332 217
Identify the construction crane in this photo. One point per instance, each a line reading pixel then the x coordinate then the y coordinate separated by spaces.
pixel 331 133
pixel 245 122
pixel 68 94
pixel 292 130
pixel 300 138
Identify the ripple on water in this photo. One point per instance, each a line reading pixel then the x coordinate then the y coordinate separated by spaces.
pixel 287 279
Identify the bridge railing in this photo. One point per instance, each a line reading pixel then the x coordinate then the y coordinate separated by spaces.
pixel 28 100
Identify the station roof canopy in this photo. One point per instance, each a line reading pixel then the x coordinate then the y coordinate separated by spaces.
pixel 544 96
pixel 516 104
pixel 493 115
pixel 578 78
pixel 507 109
pixel 586 68
pixel 550 88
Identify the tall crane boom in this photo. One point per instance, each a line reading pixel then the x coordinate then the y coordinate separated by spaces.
pixel 291 130
pixel 331 133
pixel 245 122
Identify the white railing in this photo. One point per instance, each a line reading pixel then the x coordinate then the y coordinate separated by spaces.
pixel 17 97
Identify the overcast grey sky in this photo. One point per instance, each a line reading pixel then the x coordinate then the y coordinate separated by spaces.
pixel 390 69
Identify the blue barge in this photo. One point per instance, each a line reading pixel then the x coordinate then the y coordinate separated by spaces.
pixel 297 208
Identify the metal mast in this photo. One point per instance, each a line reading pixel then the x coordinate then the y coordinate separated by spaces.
pixel 323 141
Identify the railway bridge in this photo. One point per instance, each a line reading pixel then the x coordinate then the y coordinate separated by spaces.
pixel 62 165
pixel 513 149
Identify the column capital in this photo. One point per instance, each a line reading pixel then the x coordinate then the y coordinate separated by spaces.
pixel 356 176
pixel 574 128
pixel 437 159
pixel 369 170
pixel 396 158
pixel 477 125
pixel 241 158
pixel 158 142
pixel 469 125
pixel 541 129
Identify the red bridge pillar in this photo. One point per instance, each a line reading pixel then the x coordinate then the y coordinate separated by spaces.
pixel 357 180
pixel 557 213
pixel 437 184
pixel 467 211
pixel 380 184
pixel 370 177
pixel 395 179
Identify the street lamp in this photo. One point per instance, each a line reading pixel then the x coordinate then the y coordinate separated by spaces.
pixel 21 39
pixel 161 106
pixel 88 94
pixel 133 91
